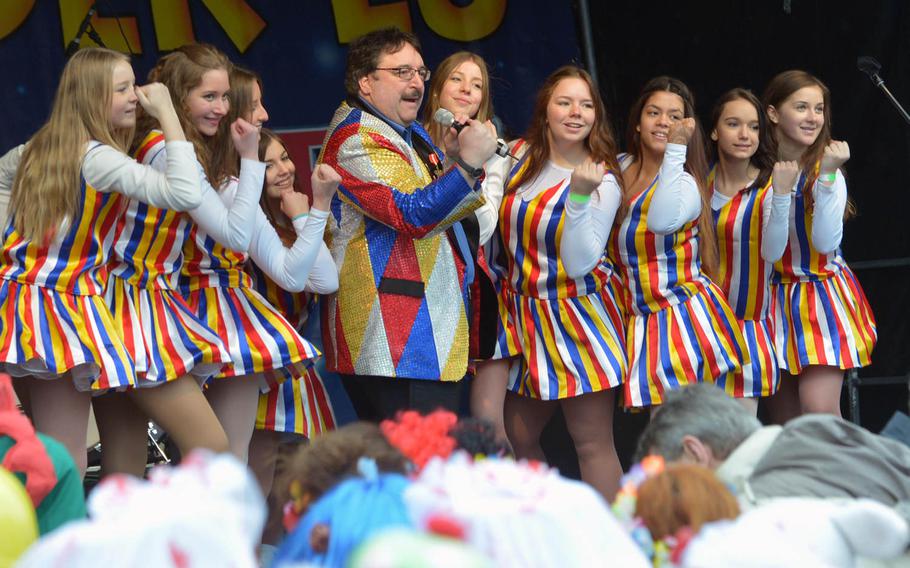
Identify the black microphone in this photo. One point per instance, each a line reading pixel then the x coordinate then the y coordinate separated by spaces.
pixel 73 46
pixel 871 67
pixel 447 119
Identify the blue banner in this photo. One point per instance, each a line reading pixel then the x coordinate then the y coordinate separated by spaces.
pixel 298 47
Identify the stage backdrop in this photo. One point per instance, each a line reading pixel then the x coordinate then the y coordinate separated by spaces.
pixel 299 49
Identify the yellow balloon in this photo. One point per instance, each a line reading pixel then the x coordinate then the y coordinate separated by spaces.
pixel 18 523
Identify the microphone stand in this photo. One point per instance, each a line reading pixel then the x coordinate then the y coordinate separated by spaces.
pixel 871 67
pixel 85 28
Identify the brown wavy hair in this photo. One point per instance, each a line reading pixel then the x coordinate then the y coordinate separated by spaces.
pixel 683 495
pixel 273 212
pixel 332 457
pixel 241 97
pixel 779 89
pixel 440 77
pixel 696 162
pixel 45 191
pixel 181 71
pixel 766 155
pixel 600 143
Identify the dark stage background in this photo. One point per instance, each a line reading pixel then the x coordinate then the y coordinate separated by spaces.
pixel 299 48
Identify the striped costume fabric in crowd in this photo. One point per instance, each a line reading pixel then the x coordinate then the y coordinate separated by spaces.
pixel 681 329
pixel 745 277
pixel 299 405
pixel 568 332
pixel 820 312
pixel 54 319
pixel 219 291
pixel 165 337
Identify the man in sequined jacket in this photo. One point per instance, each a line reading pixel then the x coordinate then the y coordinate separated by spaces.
pixel 397 329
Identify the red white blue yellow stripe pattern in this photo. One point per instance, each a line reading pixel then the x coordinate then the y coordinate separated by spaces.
pixel 820 312
pixel 52 316
pixel 301 404
pixel 681 329
pixel 745 278
pixel 166 339
pixel 568 331
pixel 258 338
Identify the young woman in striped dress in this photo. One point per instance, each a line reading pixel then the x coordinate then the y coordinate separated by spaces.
pixel 681 329
pixel 264 347
pixel 823 323
pixel 564 332
pixel 461 85
pixel 175 350
pixel 751 217
pixel 299 406
pixel 57 332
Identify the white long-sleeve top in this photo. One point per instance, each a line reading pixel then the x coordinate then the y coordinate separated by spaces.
pixel 586 228
pixel 775 222
pixel 174 184
pixel 676 199
pixel 231 226
pixel 828 214
pixel 307 264
pixel 496 171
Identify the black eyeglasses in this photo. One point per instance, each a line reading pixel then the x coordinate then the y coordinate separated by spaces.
pixel 406 72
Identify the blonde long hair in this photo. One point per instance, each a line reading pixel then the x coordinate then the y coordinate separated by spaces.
pixel 45 191
pixel 440 77
pixel 181 71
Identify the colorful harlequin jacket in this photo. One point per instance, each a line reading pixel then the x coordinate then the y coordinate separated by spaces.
pixel 401 306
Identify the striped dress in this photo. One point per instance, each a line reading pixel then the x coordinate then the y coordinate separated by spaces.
pixel 165 337
pixel 745 277
pixel 54 319
pixel 821 316
pixel 681 329
pixel 566 331
pixel 299 405
pixel 218 289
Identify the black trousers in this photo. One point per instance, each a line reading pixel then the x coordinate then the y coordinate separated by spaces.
pixel 378 398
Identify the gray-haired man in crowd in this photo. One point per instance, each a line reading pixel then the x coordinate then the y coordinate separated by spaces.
pixel 816 455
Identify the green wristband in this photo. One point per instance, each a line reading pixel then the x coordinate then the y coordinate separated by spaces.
pixel 301 216
pixel 828 179
pixel 579 198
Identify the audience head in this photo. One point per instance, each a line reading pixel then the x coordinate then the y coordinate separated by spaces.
pixel 345 517
pixel 385 69
pixel 461 85
pixel 206 511
pixel 683 496
pixel 421 438
pixel 520 513
pixel 333 457
pixel 740 130
pixel 697 424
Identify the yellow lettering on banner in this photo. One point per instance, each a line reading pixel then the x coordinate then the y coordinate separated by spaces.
pixel 472 22
pixel 173 24
pixel 353 18
pixel 241 23
pixel 12 14
pixel 71 14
